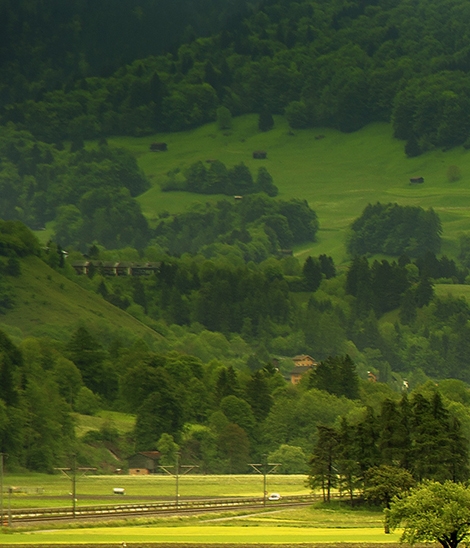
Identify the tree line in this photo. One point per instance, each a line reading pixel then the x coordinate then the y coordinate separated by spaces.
pixel 253 228
pixel 222 418
pixel 395 230
pixel 237 180
pixel 416 433
pixel 283 307
pixel 339 65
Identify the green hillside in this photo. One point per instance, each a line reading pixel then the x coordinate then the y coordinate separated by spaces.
pixel 338 175
pixel 48 304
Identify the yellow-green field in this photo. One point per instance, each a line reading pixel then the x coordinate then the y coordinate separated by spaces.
pixel 315 524
pixel 203 535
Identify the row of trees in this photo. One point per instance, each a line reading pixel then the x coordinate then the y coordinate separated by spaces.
pixel 255 228
pixel 91 196
pixel 286 308
pixel 89 192
pixel 222 418
pixel 393 229
pixel 218 179
pixel 417 434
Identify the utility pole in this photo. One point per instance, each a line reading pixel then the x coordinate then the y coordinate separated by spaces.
pixel 1 488
pixel 10 490
pixel 73 477
pixel 177 473
pixel 265 468
pixel 3 456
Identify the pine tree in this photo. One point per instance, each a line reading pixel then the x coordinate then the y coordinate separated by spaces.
pixel 312 274
pixel 432 446
pixel 327 266
pixel 365 449
pixel 227 383
pixel 258 395
pixel 348 468
pixel 323 472
pixel 264 182
pixel 424 292
pixel 394 439
pixel 348 378
pixel 265 120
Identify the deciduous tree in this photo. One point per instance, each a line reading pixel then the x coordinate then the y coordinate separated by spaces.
pixel 433 512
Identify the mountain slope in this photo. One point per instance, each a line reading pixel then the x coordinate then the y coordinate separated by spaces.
pixel 48 304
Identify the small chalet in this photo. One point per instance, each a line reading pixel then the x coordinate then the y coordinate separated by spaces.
pixel 260 155
pixel 144 269
pixel 143 463
pixel 81 267
pixel 158 147
pixel 123 269
pixel 304 359
pixel 303 364
pixel 108 268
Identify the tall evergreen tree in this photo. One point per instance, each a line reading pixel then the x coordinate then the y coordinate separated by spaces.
pixel 348 468
pixel 312 274
pixel 265 120
pixel 432 450
pixel 322 464
pixel 258 395
pixel 394 439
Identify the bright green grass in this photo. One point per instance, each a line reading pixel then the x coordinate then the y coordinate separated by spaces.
pixel 337 175
pixel 48 304
pixel 455 290
pixel 315 523
pixel 206 535
pixel 123 422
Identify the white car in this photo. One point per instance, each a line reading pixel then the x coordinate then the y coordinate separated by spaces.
pixel 274 496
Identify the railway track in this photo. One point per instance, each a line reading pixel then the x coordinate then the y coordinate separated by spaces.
pixel 25 516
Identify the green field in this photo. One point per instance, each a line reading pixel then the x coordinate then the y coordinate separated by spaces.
pixel 338 175
pixel 122 422
pixel 203 535
pixel 315 524
pixel 455 290
pixel 42 490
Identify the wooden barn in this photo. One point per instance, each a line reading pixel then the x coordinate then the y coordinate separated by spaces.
pixel 144 463
pixel 158 147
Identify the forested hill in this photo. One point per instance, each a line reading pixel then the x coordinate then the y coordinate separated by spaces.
pixel 56 42
pixel 341 64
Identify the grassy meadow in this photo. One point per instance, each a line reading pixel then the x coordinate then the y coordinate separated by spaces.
pixel 43 490
pixel 122 422
pixel 317 523
pixel 203 535
pixel 338 175
pixel 48 304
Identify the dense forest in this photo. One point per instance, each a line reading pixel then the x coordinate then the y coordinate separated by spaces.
pixel 229 299
pixel 321 64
